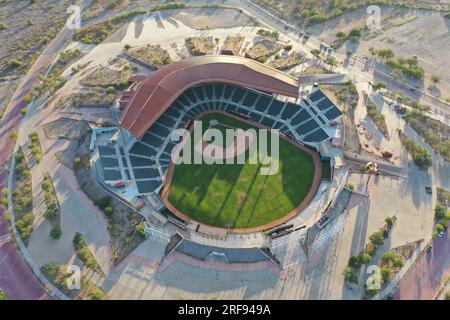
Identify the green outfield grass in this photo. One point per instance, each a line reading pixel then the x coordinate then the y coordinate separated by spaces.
pixel 238 196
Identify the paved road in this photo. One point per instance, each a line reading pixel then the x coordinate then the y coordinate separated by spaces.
pixel 428 274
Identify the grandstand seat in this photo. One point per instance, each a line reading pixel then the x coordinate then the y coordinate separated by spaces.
pixel 198 90
pixel 306 127
pixel 316 136
pixel 302 116
pixel 238 95
pixel 147 186
pixel 140 162
pixel 209 91
pixel 250 99
pixel 145 173
pixel 262 103
pixel 228 92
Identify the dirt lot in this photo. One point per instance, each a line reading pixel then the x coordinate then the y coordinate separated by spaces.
pixel 200 45
pixel 264 48
pixel 29 28
pixel 70 129
pixel 347 99
pixel 287 61
pixel 209 18
pixel 103 76
pixel 408 33
pixel 151 54
pixel 233 43
pixel 98 7
pixel 309 12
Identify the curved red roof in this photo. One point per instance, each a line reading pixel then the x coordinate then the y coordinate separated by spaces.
pixel 158 91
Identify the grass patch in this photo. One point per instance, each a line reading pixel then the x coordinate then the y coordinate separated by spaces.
pixel 237 195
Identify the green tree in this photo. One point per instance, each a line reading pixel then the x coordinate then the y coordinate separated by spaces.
pixel 435 79
pixel 3 295
pixel 439 212
pixel 350 275
pixel 377 238
pixel 340 35
pixel 385 274
pixel 78 240
pixel 108 211
pixel 97 294
pixel 13 135
pixel 110 90
pixel 55 233
pixel 46 184
pixel 386 54
pixel 355 261
pixel 379 85
pixel 140 229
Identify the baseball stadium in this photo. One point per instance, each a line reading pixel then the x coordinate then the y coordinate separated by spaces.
pixel 219 92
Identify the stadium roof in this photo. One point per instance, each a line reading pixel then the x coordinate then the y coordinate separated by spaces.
pixel 158 91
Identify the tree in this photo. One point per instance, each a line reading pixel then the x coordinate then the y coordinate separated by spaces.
pixel 50 269
pixel 355 261
pixel 385 274
pixel 55 233
pixel 390 221
pixel 77 161
pixel 78 240
pixel 377 238
pixel 422 158
pixel 110 90
pixel 350 275
pixel 439 228
pixel 379 85
pixel 316 52
pixel 439 212
pixel 435 79
pixel 13 135
pixel 97 294
pixel 108 211
pixel 366 258
pixel 386 54
pixel 46 184
pixel 350 186
pixel 340 35
pixel 140 229
pixel 388 257
pixel 15 64
pixel 127 47
pixel 355 32
pixel 3 295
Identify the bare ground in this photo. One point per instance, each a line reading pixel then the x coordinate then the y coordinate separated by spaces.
pixel 122 223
